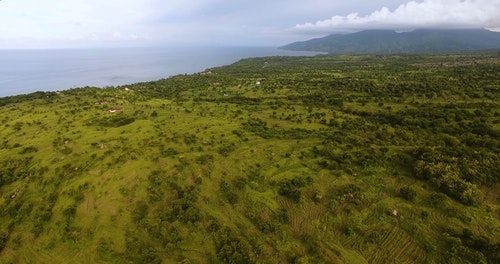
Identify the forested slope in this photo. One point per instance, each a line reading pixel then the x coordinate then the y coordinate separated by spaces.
pixel 423 41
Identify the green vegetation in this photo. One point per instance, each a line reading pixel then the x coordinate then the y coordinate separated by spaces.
pixel 326 159
pixel 424 41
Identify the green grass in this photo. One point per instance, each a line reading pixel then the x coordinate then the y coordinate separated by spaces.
pixel 306 167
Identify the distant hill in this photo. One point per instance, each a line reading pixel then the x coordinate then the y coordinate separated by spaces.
pixel 389 41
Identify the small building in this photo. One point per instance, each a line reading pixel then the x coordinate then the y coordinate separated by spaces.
pixel 116 109
pixel 207 72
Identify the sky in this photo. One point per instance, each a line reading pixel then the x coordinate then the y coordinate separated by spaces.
pixel 126 23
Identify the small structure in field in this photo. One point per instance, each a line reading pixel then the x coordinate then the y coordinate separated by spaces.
pixel 116 109
pixel 207 72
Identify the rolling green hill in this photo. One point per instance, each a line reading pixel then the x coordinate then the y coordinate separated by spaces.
pixel 389 41
pixel 325 159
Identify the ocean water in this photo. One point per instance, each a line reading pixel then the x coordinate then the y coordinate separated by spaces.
pixel 26 71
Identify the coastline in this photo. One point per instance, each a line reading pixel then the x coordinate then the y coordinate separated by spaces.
pixel 29 71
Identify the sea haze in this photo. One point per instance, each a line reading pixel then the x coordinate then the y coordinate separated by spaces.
pixel 26 71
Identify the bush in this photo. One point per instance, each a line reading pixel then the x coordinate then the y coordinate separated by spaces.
pixel 228 193
pixel 232 249
pixel 140 211
pixel 4 237
pixel 169 152
pixel 116 121
pixel 408 193
pixel 70 211
pixel 184 208
pixel 29 149
pixel 291 188
pixel 226 149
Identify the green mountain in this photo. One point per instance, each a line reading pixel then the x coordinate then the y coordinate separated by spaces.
pixel 388 41
pixel 326 159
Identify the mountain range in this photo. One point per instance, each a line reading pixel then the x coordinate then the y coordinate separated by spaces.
pixel 390 41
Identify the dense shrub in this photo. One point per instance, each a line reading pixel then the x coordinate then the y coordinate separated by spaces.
pixel 408 193
pixel 292 188
pixel 116 121
pixel 4 237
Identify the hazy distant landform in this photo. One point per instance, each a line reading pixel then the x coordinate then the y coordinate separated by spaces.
pixel 390 41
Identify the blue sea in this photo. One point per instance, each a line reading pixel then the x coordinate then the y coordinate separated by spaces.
pixel 26 71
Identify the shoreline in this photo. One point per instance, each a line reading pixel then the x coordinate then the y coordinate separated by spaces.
pixel 29 71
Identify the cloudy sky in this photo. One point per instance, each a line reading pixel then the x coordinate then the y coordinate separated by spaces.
pixel 114 23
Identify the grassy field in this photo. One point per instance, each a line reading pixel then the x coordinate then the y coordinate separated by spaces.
pixel 326 159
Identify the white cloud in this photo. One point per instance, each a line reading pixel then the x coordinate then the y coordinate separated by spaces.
pixel 416 14
pixel 31 22
pixel 82 23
